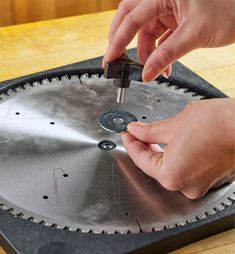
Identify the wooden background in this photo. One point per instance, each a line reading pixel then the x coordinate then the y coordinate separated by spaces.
pixel 23 11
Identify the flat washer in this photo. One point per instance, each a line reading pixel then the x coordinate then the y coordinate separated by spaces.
pixel 116 121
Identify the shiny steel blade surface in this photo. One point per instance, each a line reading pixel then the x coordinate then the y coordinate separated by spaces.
pixel 52 169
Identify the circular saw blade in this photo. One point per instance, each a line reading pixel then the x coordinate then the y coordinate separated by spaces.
pixel 54 172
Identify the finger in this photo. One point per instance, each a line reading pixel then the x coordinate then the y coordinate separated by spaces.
pixel 154 133
pixel 145 12
pixel 164 37
pixel 168 70
pixel 175 46
pixel 123 9
pixel 147 37
pixel 141 155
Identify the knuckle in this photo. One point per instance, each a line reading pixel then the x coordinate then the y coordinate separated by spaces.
pixel 123 5
pixel 171 185
pixel 169 181
pixel 194 194
pixel 132 21
pixel 166 57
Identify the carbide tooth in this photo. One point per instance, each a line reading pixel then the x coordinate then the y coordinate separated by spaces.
pixel 36 83
pixel 158 228
pixel 27 85
pixel 216 209
pixel 3 96
pixel 220 207
pixel 200 217
pixel 165 84
pixel 19 89
pixel 45 81
pixel 180 224
pixel 60 227
pixel 94 76
pixel 10 92
pixel 73 228
pixel 156 82
pixel 231 199
pixel 224 204
pixel 4 207
pixel 64 78
pixel 190 94
pixel 55 79
pixel 74 77
pixel 42 222
pixel 31 219
pixel 20 215
pixel 172 87
pixel 84 76
pixel 201 97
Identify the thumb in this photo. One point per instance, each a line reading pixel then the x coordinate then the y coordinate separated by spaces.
pixel 153 133
pixel 177 44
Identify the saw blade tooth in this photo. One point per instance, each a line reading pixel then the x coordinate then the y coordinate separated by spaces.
pixel 64 78
pixel 171 87
pixel 164 84
pixel 55 79
pixel 3 96
pixel 192 94
pixel 200 97
pixel 201 217
pixel 42 222
pixel 74 77
pixel 190 221
pixel 35 84
pixel 60 226
pixel 31 219
pixel 84 76
pixel 94 76
pixel 231 199
pixel 183 90
pixel 156 82
pixel 220 207
pixel 209 213
pixel 180 224
pixel 216 209
pixel 225 204
pixel 45 81
pixel 19 215
pixel 4 207
pixel 27 85
pixel 10 92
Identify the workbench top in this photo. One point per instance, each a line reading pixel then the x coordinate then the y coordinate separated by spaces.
pixel 34 47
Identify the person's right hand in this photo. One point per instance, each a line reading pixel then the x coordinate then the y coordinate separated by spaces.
pixel 182 25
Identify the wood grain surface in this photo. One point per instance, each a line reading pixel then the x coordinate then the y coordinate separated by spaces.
pixel 35 47
pixel 23 11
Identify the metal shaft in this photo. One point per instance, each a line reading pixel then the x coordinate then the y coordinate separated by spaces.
pixel 121 93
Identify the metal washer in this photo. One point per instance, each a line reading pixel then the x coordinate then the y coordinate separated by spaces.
pixel 116 121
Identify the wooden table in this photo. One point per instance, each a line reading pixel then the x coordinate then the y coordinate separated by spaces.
pixel 35 47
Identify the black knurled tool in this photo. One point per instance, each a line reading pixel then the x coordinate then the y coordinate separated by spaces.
pixel 123 71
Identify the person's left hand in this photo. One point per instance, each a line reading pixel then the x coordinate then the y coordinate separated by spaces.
pixel 200 151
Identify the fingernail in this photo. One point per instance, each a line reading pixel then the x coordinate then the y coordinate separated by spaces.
pixel 133 127
pixel 164 74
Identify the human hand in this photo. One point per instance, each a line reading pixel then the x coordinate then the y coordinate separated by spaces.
pixel 182 25
pixel 200 147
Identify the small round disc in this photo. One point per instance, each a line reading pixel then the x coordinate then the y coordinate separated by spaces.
pixel 116 121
